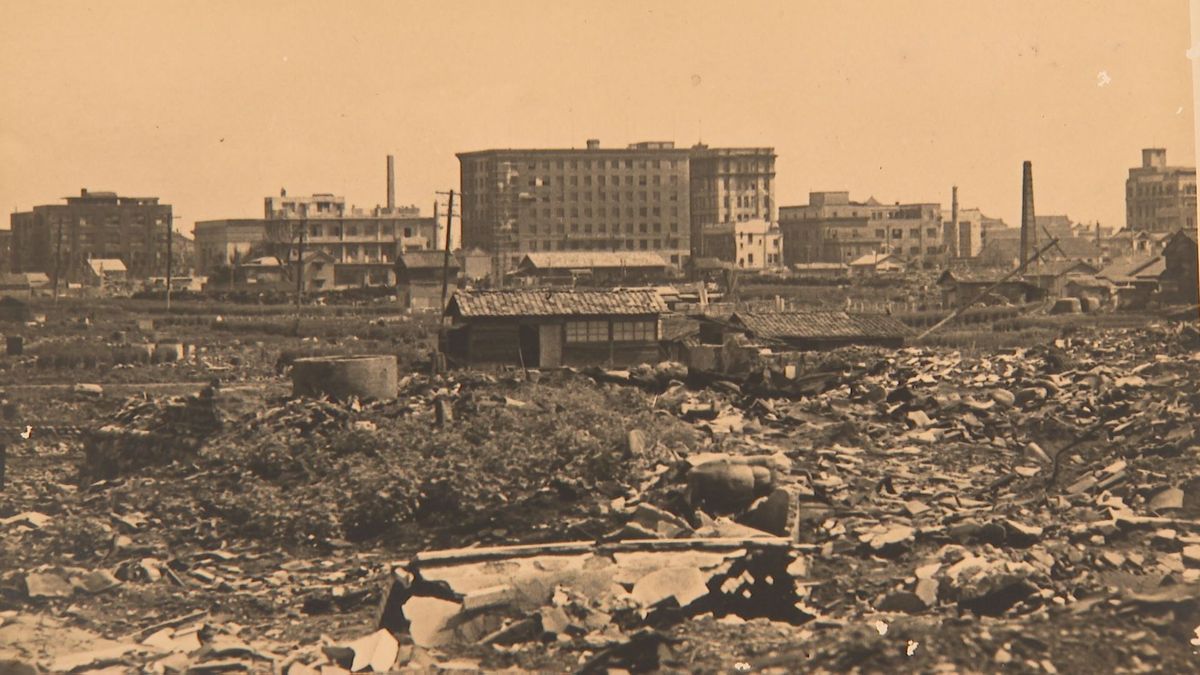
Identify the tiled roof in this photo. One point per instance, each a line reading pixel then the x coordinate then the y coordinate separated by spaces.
pixel 555 302
pixel 1126 270
pixel 819 325
pixel 595 259
pixel 1057 268
pixel 678 327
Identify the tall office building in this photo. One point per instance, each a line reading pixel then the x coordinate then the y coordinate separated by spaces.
pixel 642 197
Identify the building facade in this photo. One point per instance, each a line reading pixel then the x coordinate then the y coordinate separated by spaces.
pixel 728 186
pixel 63 237
pixel 362 244
pixel 647 196
pixel 1160 198
pixel 748 244
pixel 831 228
pixel 593 199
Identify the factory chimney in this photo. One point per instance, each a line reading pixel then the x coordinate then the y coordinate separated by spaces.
pixel 391 187
pixel 1028 221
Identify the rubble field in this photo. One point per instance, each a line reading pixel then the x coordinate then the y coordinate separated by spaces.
pixel 928 509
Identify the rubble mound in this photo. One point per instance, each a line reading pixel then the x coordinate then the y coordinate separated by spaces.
pixel 148 432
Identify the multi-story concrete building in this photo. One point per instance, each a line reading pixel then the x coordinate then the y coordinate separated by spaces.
pixel 63 237
pixel 749 244
pixel 730 185
pixel 831 228
pixel 362 244
pixel 1160 198
pixel 592 199
pixel 639 198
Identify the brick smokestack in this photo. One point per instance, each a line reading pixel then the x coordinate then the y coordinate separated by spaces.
pixel 391 188
pixel 1028 221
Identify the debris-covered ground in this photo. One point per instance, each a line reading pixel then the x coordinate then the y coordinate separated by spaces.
pixel 921 510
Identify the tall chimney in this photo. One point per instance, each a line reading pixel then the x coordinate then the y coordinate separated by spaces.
pixel 391 179
pixel 1028 221
pixel 954 236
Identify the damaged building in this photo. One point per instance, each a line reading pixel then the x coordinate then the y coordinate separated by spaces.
pixel 543 328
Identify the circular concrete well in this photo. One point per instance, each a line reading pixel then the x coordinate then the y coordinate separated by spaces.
pixel 344 376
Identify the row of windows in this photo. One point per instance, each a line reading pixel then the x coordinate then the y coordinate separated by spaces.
pixel 601 228
pixel 600 196
pixel 561 212
pixel 622 331
pixel 563 164
pixel 601 245
pixel 601 180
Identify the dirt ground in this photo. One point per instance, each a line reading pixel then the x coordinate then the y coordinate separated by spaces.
pixel 1028 509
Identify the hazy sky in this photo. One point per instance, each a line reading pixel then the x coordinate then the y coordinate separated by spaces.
pixel 214 105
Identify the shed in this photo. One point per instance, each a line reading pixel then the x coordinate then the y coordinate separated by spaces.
pixel 814 330
pixel 15 286
pixel 105 271
pixel 547 328
pixel 13 309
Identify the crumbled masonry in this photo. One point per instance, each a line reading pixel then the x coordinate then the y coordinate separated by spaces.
pixel 1032 507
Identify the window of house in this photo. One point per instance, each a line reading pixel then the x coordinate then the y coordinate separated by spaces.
pixel 587 331
pixel 631 331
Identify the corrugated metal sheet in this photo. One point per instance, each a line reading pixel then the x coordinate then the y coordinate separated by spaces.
pixel 784 325
pixel 553 302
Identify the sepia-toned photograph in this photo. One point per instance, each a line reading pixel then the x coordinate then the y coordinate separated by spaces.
pixel 585 336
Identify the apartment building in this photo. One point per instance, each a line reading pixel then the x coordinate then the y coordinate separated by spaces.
pixel 63 237
pixel 832 228
pixel 1160 198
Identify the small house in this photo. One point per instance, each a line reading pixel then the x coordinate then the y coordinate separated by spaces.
pixel 105 272
pixel 812 330
pixel 871 264
pixel 548 328
pixel 1052 276
pixel 419 277
pixel 1135 280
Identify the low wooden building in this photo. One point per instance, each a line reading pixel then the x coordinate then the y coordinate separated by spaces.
pixel 571 267
pixel 1052 276
pixel 808 330
pixel 548 328
pixel 14 309
pixel 419 277
pixel 960 286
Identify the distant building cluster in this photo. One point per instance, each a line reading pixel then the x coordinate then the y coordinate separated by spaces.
pixel 581 215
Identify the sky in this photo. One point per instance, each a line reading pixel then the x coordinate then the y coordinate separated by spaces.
pixel 214 105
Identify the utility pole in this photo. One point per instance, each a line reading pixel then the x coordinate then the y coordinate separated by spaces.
pixel 170 257
pixel 300 266
pixel 58 261
pixel 446 257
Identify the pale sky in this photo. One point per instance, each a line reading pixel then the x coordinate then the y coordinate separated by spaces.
pixel 214 105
